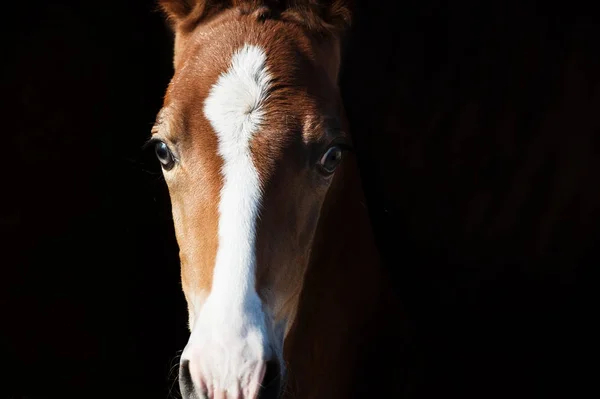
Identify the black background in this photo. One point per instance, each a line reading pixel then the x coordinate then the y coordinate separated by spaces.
pixel 91 305
pixel 477 128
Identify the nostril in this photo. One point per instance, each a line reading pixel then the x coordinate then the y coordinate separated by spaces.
pixel 271 383
pixel 186 386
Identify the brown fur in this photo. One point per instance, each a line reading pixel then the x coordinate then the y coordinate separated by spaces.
pixel 315 15
pixel 315 249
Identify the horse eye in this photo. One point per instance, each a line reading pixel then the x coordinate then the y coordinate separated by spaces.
pixel 331 159
pixel 164 155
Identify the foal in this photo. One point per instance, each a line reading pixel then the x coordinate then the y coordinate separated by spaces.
pixel 275 242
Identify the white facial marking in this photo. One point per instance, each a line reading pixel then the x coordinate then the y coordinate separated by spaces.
pixel 235 109
pixel 229 338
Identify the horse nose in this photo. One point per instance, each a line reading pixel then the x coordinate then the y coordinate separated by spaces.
pixel 271 383
pixel 269 387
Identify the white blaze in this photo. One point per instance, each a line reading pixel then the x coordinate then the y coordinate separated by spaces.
pixel 235 108
pixel 230 340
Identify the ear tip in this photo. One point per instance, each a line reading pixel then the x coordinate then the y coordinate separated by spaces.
pixel 176 9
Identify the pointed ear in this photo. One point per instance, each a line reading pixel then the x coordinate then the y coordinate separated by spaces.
pixel 340 13
pixel 321 15
pixel 183 14
pixel 177 9
pixel 336 14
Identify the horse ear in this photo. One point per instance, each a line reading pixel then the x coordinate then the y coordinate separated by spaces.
pixel 322 15
pixel 177 10
pixel 182 13
pixel 339 14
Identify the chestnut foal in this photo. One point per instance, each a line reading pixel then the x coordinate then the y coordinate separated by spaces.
pixel 278 262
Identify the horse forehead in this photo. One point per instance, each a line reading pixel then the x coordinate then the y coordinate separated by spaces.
pixel 252 92
pixel 245 93
pixel 234 76
pixel 236 101
pixel 246 111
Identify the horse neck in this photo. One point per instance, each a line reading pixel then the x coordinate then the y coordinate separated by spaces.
pixel 345 300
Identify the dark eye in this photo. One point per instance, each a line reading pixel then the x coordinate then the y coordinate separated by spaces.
pixel 164 155
pixel 331 159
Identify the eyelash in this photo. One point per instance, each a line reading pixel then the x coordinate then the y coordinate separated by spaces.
pixel 151 142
